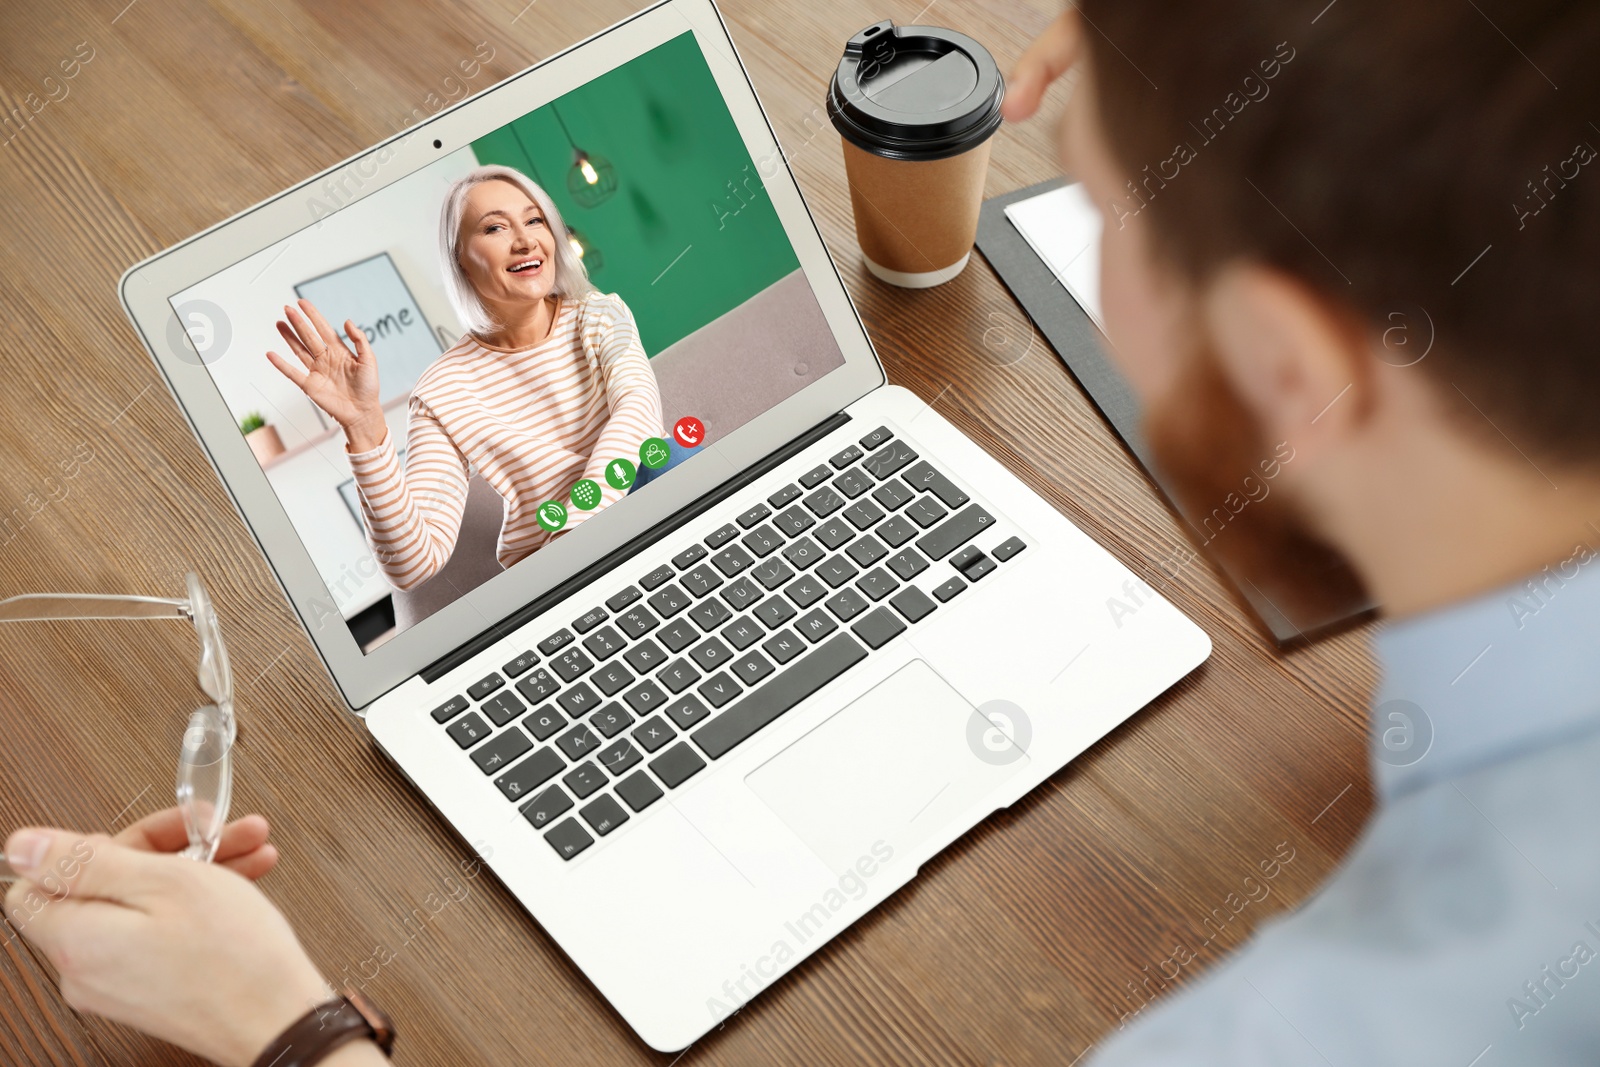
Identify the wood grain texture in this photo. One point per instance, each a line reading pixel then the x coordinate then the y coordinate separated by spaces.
pixel 1021 944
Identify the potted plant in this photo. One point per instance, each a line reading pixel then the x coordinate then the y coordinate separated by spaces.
pixel 262 438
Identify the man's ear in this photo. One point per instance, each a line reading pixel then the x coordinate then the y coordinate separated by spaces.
pixel 1301 364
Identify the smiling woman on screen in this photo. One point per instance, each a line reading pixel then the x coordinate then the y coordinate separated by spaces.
pixel 549 383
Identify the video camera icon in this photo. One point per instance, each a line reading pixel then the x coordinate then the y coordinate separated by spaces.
pixel 654 453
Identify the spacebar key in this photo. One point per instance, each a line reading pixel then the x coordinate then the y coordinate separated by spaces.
pixel 803 677
pixel 955 531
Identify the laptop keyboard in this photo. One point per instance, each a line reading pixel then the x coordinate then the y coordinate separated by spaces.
pixel 637 694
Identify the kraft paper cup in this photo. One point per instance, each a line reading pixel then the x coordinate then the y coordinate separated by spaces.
pixel 917 107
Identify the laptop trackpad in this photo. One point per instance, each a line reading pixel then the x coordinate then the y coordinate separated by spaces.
pixel 897 765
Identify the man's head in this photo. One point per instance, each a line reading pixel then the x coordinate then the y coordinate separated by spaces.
pixel 1369 237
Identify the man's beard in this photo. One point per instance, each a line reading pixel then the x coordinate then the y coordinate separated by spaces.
pixel 1215 459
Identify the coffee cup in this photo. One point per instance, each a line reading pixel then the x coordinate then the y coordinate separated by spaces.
pixel 916 107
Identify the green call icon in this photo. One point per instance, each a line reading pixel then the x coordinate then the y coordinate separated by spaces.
pixel 551 515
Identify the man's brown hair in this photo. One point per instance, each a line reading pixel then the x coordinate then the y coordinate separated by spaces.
pixel 1431 165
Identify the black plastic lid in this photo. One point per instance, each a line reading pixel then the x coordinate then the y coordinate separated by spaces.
pixel 915 92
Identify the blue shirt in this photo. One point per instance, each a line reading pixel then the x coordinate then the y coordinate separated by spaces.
pixel 1463 928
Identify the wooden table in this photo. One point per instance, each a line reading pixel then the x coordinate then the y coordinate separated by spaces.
pixel 1023 943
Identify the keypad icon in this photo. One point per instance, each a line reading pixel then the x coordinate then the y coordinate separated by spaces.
pixel 586 494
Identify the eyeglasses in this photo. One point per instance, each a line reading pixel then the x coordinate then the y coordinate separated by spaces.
pixel 205 766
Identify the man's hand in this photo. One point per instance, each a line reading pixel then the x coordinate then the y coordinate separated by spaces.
pixel 1050 55
pixel 243 847
pixel 188 952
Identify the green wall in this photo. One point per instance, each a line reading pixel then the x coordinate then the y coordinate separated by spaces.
pixel 684 181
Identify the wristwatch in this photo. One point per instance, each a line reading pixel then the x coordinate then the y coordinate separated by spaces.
pixel 348 1017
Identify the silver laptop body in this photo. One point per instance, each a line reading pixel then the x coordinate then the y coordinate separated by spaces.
pixel 730 714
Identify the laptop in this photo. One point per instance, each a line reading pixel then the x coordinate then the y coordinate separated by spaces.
pixel 819 636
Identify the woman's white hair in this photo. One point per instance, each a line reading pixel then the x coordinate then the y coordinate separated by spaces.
pixel 572 278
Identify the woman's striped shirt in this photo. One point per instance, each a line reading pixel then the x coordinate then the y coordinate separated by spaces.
pixel 532 421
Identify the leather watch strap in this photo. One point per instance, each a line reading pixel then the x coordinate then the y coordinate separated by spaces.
pixel 326 1027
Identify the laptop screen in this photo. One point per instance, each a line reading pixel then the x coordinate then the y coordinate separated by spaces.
pixel 547 321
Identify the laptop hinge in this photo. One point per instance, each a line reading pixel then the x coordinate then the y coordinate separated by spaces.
pixel 538 606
